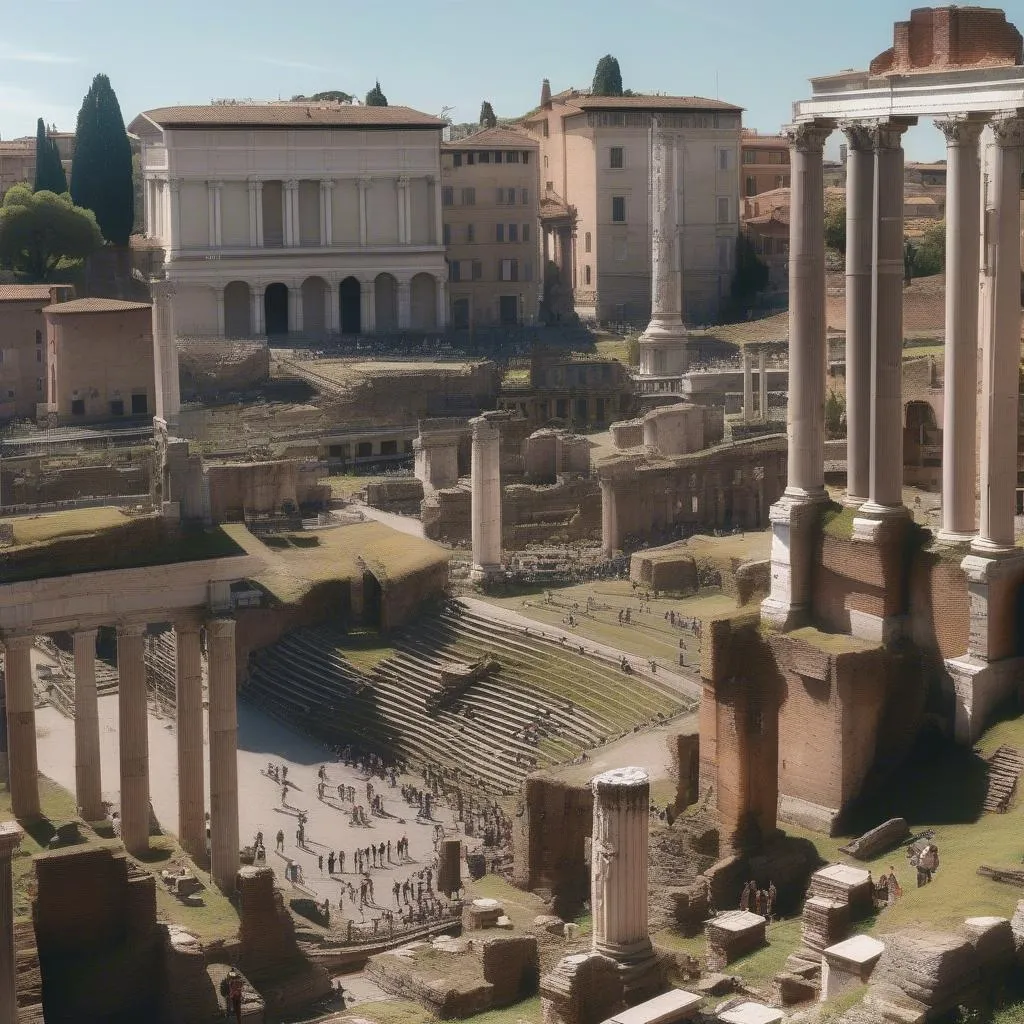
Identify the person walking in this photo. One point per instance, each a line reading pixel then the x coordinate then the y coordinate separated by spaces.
pixel 280 840
pixel 234 994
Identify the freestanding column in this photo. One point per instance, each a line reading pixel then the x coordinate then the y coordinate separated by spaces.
pixel 610 539
pixel 762 384
pixel 885 472
pixel 1001 344
pixel 133 729
pixel 960 400
pixel 860 178
pixel 165 352
pixel 22 773
pixel 748 387
pixel 220 635
pixel 485 479
pixel 87 728
pixel 618 894
pixel 665 335
pixel 10 838
pixel 189 714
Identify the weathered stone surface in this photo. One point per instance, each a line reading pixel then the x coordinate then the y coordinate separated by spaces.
pixel 585 988
pixel 879 839
pixel 732 935
pixel 790 989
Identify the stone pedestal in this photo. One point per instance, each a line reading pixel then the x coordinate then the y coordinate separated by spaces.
pixel 133 730
pixel 481 914
pixel 23 780
pixel 224 859
pixel 88 788
pixel 732 935
pixel 619 866
pixel 794 520
pixel 10 838
pixel 486 495
pixel 189 722
pixel 583 988
pixel 847 964
pixel 670 1007
pixel 847 884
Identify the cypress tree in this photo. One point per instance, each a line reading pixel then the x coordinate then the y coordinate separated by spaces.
pixel 50 176
pixel 607 77
pixel 375 98
pixel 102 173
pixel 487 118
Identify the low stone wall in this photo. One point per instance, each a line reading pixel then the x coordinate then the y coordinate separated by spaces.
pixel 403 494
pixel 210 366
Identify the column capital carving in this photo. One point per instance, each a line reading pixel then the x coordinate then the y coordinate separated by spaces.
pixel 255 184
pixel 131 629
pixel 327 184
pixel 886 133
pixel 1008 131
pixel 808 136
pixel 960 130
pixel 858 134
pixel 215 186
pixel 364 181
pixel 292 184
pixel 403 181
pixel 19 641
pixel 174 184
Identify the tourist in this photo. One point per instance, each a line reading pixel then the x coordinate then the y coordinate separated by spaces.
pixel 234 994
pixel 341 862
pixel 280 840
pixel 773 894
pixel 320 863
pixel 330 862
pixel 927 864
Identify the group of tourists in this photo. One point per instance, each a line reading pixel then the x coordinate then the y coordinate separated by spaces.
pixel 759 901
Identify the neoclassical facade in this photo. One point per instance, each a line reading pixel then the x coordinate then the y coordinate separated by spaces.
pixel 275 218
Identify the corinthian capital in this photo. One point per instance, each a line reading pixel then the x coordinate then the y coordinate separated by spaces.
pixel 808 136
pixel 886 134
pixel 960 130
pixel 858 134
pixel 1008 131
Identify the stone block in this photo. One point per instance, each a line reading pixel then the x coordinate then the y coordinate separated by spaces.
pixel 481 914
pixel 510 967
pixel 825 922
pixel 847 884
pixel 877 840
pixel 585 988
pixel 751 1013
pixel 732 935
pixel 790 989
pixel 848 963
pixel 668 1008
pixel 992 938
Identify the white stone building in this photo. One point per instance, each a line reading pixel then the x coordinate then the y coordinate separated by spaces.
pixel 296 217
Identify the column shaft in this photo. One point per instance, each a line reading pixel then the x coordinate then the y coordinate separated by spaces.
pixel 364 184
pixel 1001 346
pixel 860 176
pixel 748 387
pixel 806 420
pixel 294 308
pixel 22 773
pixel 10 838
pixel 223 754
pixel 610 539
pixel 404 305
pixel 885 473
pixel 485 482
pixel 133 730
pixel 762 384
pixel 368 308
pixel 88 789
pixel 960 398
pixel 189 723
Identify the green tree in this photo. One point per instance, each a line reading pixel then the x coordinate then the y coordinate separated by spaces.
pixel 50 176
pixel 375 98
pixel 930 253
pixel 102 178
pixel 751 274
pixel 40 229
pixel 487 118
pixel 607 77
pixel 331 95
pixel 835 225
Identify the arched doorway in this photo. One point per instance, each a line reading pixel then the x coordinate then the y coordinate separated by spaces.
pixel 423 302
pixel 314 311
pixel 275 308
pixel 350 296
pixel 386 303
pixel 237 310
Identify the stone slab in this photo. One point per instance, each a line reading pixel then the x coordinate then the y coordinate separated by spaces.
pixel 737 921
pixel 844 874
pixel 858 951
pixel 752 1013
pixel 677 1005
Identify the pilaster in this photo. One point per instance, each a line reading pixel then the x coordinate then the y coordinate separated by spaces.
pixel 404 304
pixel 10 840
pixel 289 199
pixel 88 788
pixel 368 306
pixel 748 387
pixel 256 213
pixel 326 212
pixel 23 772
pixel 174 228
pixel 257 291
pixel 133 734
pixel 224 860
pixel 213 194
pixel 363 184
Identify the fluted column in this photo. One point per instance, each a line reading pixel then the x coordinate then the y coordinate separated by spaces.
pixel 88 788
pixel 189 724
pixel 10 839
pixel 860 185
pixel 960 398
pixel 133 729
pixel 220 633
pixel 618 896
pixel 762 384
pixel 806 420
pixel 610 539
pixel 255 213
pixel 364 185
pixel 1001 341
pixel 23 772
pixel 326 212
pixel 748 387
pixel 485 483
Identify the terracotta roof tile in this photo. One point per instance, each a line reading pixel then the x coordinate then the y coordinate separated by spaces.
pixel 284 115
pixel 95 305
pixel 24 292
pixel 494 138
pixel 652 103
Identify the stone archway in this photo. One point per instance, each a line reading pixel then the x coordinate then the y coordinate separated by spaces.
pixel 275 308
pixel 237 310
pixel 314 308
pixel 386 303
pixel 423 303
pixel 350 302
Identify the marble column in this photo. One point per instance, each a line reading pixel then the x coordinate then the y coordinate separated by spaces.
pixel 332 306
pixel 442 303
pixel 610 539
pixel 1001 341
pixel 294 307
pixel 22 773
pixel 189 726
pixel 618 852
pixel 165 352
pixel 88 788
pixel 10 839
pixel 255 213
pixel 224 863
pixel 960 398
pixel 860 186
pixel 885 469
pixel 762 384
pixel 364 186
pixel 173 233
pixel 289 197
pixel 326 212
pixel 485 482
pixel 133 728
pixel 748 387
pixel 665 333
pixel 257 296
pixel 368 306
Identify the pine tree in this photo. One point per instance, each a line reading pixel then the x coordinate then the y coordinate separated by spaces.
pixel 487 118
pixel 102 178
pixel 50 176
pixel 375 98
pixel 607 77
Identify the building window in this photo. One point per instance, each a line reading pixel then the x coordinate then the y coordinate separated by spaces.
pixel 724 159
pixel 501 196
pixel 510 197
pixel 77 406
pixel 139 405
pixel 512 156
pixel 446 234
pixel 478 270
pixel 586 274
pixel 615 158
pixel 526 232
pixel 117 407
pixel 483 157
pixel 545 130
pixel 499 232
pixel 526 156
pixel 470 159
pixel 470 233
pixel 751 186
pixel 497 156
pixel 723 209
pixel 524 196
pixel 509 270
pixel 447 195
pixel 39 337
pixel 454 272
pixel 456 159
pixel 513 232
pixel 749 156
pixel 587 242
pixel 469 197
pixel 619 209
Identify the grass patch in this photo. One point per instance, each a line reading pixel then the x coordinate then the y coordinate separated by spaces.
pixel 366 650
pixel 71 523
pixel 835 1008
pixel 832 643
pixel 837 522
pixel 348 485
pixel 763 964
pixel 390 1011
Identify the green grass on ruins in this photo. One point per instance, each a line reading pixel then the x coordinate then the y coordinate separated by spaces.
pixel 215 919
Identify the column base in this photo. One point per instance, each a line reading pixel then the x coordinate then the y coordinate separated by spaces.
pixel 977 688
pixel 852 501
pixel 953 537
pixel 993 580
pixel 875 523
pixel 643 974
pixel 486 573
pixel 986 548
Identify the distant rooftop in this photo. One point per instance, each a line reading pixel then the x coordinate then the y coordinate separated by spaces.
pixel 575 100
pixel 95 305
pixel 25 292
pixel 284 115
pixel 494 138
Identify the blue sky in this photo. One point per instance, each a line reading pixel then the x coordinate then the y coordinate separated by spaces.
pixel 432 54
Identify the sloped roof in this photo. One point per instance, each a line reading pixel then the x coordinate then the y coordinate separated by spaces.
pixel 24 292
pixel 494 138
pixel 95 305
pixel 284 115
pixel 573 102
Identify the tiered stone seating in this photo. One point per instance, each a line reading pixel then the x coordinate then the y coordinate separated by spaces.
pixel 544 706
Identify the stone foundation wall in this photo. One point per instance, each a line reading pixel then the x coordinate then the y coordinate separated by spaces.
pixel 261 488
pixel 395 495
pixel 32 481
pixel 210 366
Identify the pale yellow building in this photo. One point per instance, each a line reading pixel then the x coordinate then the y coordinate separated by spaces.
pixel 595 198
pixel 489 202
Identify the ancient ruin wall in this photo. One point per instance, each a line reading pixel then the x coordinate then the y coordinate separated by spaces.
pixel 208 366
